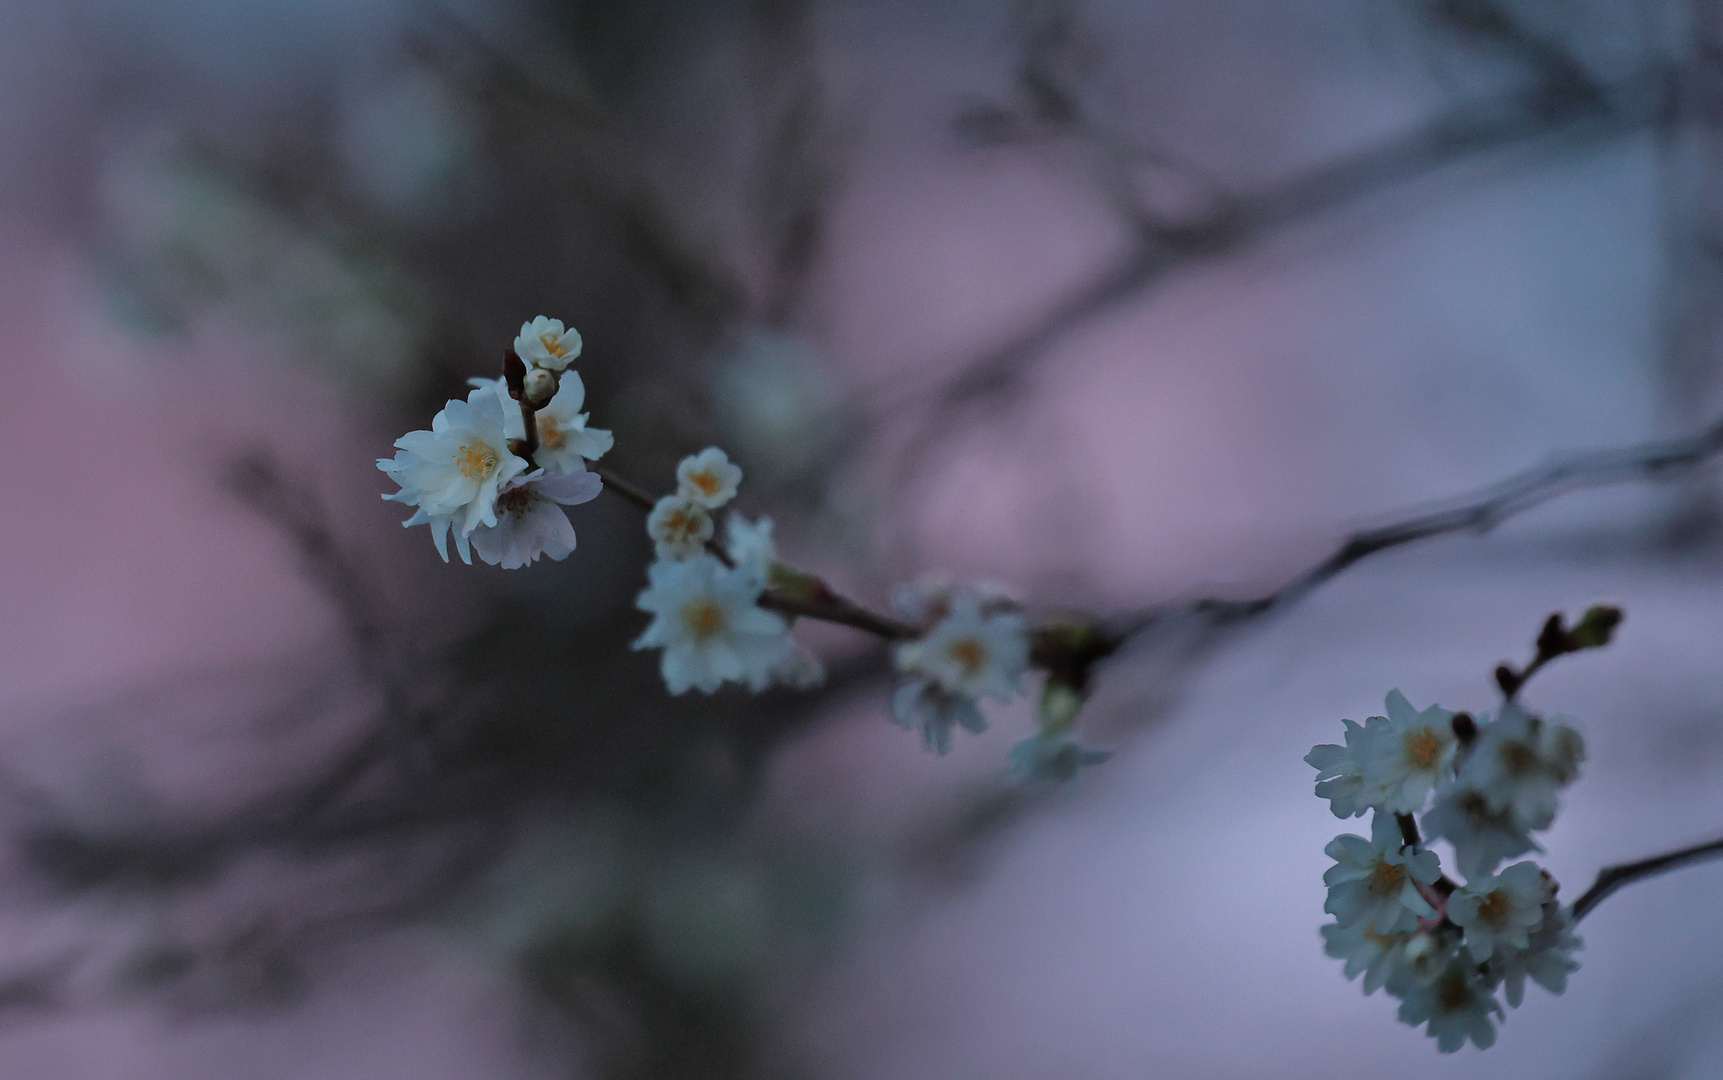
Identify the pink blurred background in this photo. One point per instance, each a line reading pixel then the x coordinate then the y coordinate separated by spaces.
pixel 1217 433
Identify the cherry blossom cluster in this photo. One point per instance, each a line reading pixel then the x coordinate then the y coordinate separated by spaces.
pixel 704 598
pixel 1483 786
pixel 974 644
pixel 497 468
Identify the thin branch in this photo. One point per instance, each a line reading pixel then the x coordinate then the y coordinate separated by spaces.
pixel 259 480
pixel 642 498
pixel 1056 651
pixel 1611 878
pixel 606 168
pixel 1489 23
pixel 812 598
pixel 612 482
pixel 1553 110
pixel 1655 462
pixel 828 606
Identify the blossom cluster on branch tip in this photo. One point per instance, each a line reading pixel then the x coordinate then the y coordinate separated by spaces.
pixel 482 475
pixel 975 645
pixel 496 470
pixel 1444 948
pixel 705 610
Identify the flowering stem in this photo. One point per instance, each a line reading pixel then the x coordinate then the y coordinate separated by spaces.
pixel 1064 650
pixel 1594 630
pixel 1611 878
pixel 628 491
pixel 1408 829
pixel 823 604
pixel 514 376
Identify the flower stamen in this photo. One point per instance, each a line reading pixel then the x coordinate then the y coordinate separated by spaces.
pixel 476 460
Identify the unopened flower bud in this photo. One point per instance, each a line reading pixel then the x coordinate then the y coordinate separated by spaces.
pixel 1059 704
pixel 1596 627
pixel 540 387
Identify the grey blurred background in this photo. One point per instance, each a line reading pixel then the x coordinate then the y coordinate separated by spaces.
pixel 1123 302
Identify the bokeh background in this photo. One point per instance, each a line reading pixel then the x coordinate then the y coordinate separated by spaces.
pixel 1124 302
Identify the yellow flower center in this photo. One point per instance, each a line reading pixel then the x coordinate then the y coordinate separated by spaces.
pixel 1422 749
pixel 550 434
pixel 552 343
pixel 707 482
pixel 704 618
pixel 1518 758
pixel 681 523
pixel 970 654
pixel 1387 878
pixel 476 460
pixel 1494 908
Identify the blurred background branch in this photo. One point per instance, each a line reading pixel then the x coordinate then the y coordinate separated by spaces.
pixel 483 753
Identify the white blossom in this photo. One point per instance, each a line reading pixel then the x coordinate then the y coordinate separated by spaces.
pixel 440 526
pixel 1340 769
pixel 708 478
pixel 1364 951
pixel 1374 882
pixel 798 668
pixel 545 343
pixel 928 599
pixel 924 706
pixel 565 443
pixel 750 544
pixel 1482 835
pixel 1389 763
pixel 707 621
pixel 1498 912
pixel 679 528
pixel 1520 762
pixel 1457 1004
pixel 1052 757
pixel 751 548
pixel 1547 957
pixel 1406 761
pixel 513 427
pixel 1422 956
pixel 970 653
pixel 455 470
pixel 530 522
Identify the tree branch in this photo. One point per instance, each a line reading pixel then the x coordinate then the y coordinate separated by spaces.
pixel 823 604
pixel 1070 651
pixel 1557 108
pixel 1480 512
pixel 1611 878
pixel 638 496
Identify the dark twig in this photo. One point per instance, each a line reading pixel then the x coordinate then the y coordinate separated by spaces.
pixel 823 604
pixel 1408 829
pixel 514 376
pixel 1655 461
pixel 1489 23
pixel 612 482
pixel 1070 657
pixel 296 510
pixel 1611 878
pixel 1595 629
pixel 1554 109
